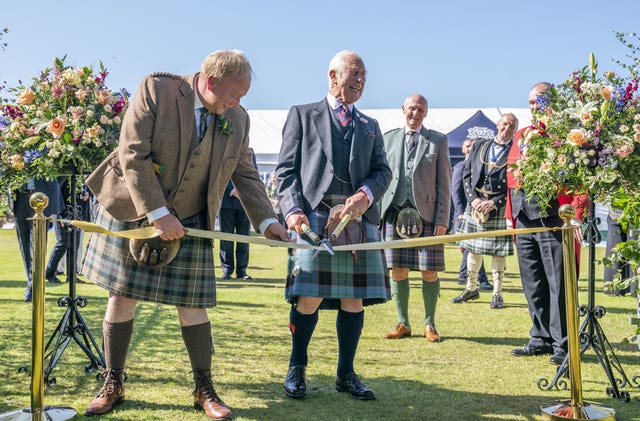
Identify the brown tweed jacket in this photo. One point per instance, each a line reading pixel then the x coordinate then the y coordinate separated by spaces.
pixel 159 128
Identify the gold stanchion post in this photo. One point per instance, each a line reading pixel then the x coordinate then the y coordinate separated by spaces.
pixel 38 411
pixel 576 408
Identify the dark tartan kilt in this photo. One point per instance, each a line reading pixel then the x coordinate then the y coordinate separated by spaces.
pixel 413 258
pixel 492 246
pixel 338 276
pixel 188 281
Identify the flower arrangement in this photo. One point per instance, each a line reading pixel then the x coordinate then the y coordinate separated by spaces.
pixel 66 121
pixel 585 137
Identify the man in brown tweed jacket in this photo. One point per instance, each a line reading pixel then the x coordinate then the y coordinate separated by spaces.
pixel 182 140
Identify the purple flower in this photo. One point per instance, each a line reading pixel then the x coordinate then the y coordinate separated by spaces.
pixel 31 155
pixel 4 122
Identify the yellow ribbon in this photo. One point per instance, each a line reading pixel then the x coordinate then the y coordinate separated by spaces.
pixel 150 232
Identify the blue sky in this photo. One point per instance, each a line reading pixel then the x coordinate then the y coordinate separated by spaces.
pixel 459 54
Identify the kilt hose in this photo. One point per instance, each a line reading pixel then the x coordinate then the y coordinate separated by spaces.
pixel 414 258
pixel 491 246
pixel 341 275
pixel 188 281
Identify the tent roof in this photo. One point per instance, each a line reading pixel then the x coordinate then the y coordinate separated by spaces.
pixel 266 125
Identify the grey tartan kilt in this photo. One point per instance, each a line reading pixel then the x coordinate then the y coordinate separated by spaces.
pixel 492 246
pixel 338 276
pixel 188 281
pixel 413 258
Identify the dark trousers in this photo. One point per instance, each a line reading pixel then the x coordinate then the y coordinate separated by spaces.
pixel 542 274
pixel 24 229
pixel 615 235
pixel 234 221
pixel 61 246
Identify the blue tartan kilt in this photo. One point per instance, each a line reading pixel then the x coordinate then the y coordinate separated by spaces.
pixel 188 281
pixel 413 258
pixel 491 246
pixel 341 275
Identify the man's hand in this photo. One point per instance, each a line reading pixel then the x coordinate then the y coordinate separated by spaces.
pixel 169 228
pixel 295 221
pixel 440 230
pixel 276 231
pixel 355 205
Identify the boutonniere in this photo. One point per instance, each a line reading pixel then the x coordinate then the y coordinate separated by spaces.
pixel 363 120
pixel 224 126
pixel 157 168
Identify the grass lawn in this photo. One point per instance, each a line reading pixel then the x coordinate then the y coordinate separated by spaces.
pixel 470 375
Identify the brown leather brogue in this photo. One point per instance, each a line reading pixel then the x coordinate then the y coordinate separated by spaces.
pixel 207 399
pixel 110 395
pixel 431 333
pixel 400 331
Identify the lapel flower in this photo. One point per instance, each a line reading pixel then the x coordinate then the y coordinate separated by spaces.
pixel 224 126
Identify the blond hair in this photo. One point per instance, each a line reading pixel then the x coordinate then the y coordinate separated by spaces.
pixel 223 63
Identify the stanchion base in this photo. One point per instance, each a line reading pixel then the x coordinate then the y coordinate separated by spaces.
pixel 565 411
pixel 50 413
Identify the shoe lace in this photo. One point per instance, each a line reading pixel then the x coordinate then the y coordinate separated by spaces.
pixel 112 383
pixel 204 385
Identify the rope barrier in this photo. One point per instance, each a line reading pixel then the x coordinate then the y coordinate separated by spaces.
pixel 150 232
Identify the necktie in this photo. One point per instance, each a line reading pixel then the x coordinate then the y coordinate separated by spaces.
pixel 204 117
pixel 343 115
pixel 411 141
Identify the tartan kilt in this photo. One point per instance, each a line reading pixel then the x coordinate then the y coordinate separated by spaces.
pixel 338 276
pixel 188 281
pixel 413 258
pixel 492 246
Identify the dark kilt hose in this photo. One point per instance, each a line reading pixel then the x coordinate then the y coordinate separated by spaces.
pixel 341 275
pixel 491 246
pixel 188 281
pixel 414 258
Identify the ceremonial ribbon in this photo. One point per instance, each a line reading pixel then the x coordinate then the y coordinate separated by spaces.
pixel 150 232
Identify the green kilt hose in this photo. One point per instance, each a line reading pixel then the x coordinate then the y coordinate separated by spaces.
pixel 188 281
pixel 414 258
pixel 341 275
pixel 491 246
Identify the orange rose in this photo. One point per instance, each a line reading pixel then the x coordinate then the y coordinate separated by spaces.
pixel 103 97
pixel 577 137
pixel 57 125
pixel 606 92
pixel 17 162
pixel 26 97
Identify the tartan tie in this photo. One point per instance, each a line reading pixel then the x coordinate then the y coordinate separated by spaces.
pixel 204 117
pixel 411 141
pixel 343 115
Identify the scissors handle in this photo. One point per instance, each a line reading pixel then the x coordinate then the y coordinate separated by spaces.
pixel 312 235
pixel 340 227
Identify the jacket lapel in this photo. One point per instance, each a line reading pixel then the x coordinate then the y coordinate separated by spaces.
pixel 322 123
pixel 187 120
pixel 359 134
pixel 422 145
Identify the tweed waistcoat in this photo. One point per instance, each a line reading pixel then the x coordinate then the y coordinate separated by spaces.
pixel 341 138
pixel 404 191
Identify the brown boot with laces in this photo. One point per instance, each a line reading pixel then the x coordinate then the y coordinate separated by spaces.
pixel 207 399
pixel 111 394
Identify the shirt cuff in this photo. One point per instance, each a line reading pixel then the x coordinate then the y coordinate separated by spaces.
pixel 293 210
pixel 157 214
pixel 367 191
pixel 265 224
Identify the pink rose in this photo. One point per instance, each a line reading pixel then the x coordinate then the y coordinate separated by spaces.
pixel 103 97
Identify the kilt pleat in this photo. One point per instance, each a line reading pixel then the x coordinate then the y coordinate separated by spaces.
pixel 188 281
pixel 491 246
pixel 338 276
pixel 414 258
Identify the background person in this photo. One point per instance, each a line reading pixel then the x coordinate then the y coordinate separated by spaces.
pixel 459 203
pixel 419 160
pixel 193 128
pixel 485 186
pixel 540 256
pixel 233 219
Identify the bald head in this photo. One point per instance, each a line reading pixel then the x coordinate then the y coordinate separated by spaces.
pixel 415 109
